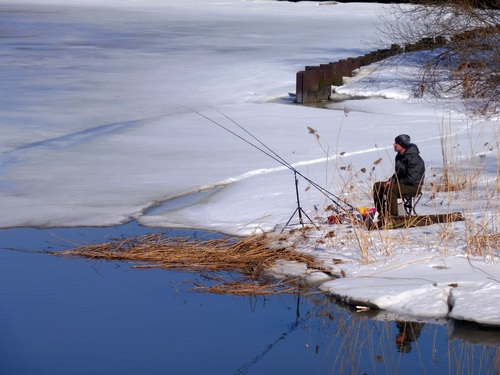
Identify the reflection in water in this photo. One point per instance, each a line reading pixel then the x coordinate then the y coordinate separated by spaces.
pixel 408 332
pixel 475 333
pixel 292 327
pixel 350 342
pixel 110 318
pixel 471 342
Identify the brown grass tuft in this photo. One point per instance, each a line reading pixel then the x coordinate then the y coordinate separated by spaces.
pixel 249 257
pixel 484 244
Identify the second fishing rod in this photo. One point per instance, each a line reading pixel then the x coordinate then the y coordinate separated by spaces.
pixel 338 202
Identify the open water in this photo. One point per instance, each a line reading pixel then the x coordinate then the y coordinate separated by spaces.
pixel 61 315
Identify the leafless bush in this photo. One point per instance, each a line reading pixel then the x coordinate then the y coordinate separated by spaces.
pixel 465 38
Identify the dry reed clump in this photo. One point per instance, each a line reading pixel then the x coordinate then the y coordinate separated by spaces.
pixel 484 244
pixel 454 180
pixel 248 256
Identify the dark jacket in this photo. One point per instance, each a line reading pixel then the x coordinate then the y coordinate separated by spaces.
pixel 409 167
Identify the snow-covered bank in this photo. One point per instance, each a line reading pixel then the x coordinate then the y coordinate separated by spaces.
pixel 408 272
pixel 111 112
pixel 426 286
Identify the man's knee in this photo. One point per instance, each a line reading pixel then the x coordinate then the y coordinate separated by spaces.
pixel 394 192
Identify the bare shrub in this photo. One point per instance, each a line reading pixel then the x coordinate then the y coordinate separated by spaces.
pixel 465 38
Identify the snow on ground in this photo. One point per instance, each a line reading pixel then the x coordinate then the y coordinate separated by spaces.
pixel 118 111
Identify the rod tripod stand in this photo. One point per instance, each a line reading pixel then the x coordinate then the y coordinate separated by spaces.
pixel 299 209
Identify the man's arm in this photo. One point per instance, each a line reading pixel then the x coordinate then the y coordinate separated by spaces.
pixel 390 180
pixel 414 172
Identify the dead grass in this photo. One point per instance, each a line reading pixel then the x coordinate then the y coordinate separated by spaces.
pixel 215 259
pixel 484 244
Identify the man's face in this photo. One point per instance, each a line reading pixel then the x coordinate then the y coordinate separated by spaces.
pixel 398 148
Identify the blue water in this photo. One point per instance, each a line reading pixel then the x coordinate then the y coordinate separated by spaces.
pixel 64 315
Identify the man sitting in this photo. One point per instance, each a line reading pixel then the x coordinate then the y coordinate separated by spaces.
pixel 406 181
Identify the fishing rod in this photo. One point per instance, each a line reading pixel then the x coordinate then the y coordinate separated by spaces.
pixel 326 192
pixel 273 155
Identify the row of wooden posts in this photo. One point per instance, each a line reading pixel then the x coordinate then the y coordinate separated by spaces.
pixel 313 84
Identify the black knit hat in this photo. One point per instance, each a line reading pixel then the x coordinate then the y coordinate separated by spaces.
pixel 403 140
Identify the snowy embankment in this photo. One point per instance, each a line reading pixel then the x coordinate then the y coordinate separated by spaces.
pixel 99 129
pixel 439 271
pixel 419 286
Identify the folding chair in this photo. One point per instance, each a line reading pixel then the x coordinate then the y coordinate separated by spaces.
pixel 409 204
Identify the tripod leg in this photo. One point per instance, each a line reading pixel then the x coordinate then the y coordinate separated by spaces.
pixel 312 222
pixel 298 209
pixel 288 222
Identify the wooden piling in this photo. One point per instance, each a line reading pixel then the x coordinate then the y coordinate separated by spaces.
pixel 314 83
